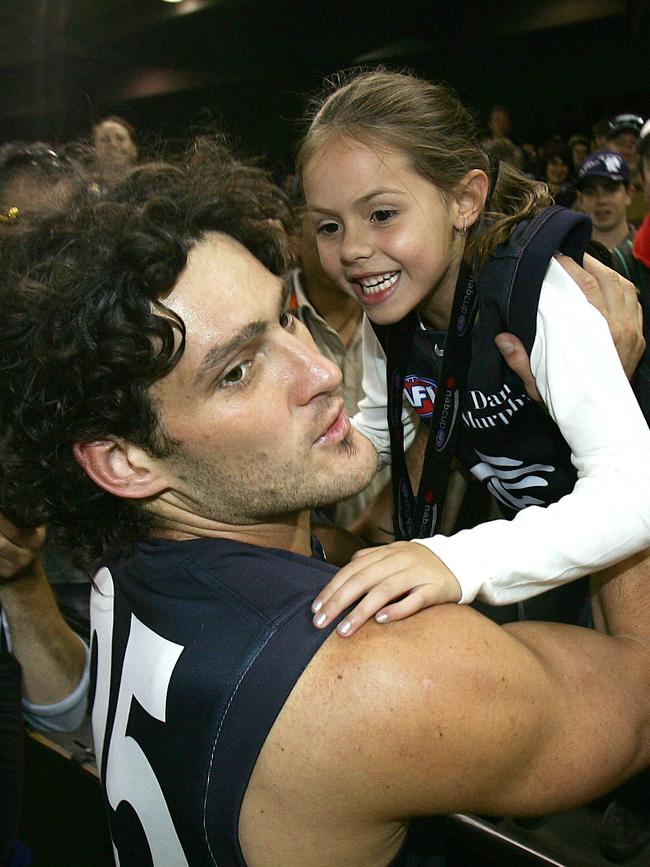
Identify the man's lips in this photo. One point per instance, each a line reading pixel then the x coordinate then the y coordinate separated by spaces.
pixel 337 428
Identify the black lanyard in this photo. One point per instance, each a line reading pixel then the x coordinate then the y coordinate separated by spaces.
pixel 419 517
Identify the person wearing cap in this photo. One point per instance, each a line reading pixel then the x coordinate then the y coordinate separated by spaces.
pixel 604 195
pixel 625 827
pixel 632 257
pixel 622 136
pixel 44 664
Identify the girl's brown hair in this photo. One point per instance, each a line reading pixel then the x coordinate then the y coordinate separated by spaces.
pixel 428 124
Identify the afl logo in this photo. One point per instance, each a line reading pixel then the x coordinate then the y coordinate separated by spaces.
pixel 420 393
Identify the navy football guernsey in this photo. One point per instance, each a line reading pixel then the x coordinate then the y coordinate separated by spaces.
pixel 196 646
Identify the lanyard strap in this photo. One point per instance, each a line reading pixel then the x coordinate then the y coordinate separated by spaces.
pixel 419 517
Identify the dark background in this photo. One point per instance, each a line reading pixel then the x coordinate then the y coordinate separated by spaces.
pixel 249 65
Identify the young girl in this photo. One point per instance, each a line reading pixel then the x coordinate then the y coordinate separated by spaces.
pixel 410 217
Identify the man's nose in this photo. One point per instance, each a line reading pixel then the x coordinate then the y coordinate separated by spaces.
pixel 314 374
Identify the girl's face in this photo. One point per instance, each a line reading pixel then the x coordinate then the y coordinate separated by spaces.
pixel 557 171
pixel 384 233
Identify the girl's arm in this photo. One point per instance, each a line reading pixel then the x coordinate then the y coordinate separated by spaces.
pixel 607 515
pixel 370 419
pixel 605 518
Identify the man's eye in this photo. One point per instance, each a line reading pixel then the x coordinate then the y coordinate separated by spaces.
pixel 235 375
pixel 383 215
pixel 287 320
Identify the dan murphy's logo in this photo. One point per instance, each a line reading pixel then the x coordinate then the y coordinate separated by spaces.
pixel 420 393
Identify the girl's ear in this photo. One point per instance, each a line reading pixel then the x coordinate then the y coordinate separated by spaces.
pixel 470 196
pixel 121 468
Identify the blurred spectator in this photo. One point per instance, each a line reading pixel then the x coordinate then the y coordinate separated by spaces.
pixel 41 659
pixel 557 173
pixel 604 194
pixel 531 159
pixel 625 826
pixel 632 257
pixel 505 151
pixel 599 132
pixel 622 137
pixel 43 664
pixel 579 147
pixel 34 181
pixel 115 149
pixel 499 142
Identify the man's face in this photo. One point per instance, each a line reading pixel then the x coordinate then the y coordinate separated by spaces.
pixel 499 123
pixel 113 144
pixel 625 145
pixel 253 406
pixel 605 202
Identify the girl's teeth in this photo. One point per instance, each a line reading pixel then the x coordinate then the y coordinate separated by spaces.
pixel 373 285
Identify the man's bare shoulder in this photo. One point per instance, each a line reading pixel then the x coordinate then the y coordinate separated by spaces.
pixel 332 764
pixel 442 712
pixel 380 726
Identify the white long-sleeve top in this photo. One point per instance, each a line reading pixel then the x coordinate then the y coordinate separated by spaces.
pixel 607 515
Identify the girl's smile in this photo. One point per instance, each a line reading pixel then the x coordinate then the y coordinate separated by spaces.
pixel 385 234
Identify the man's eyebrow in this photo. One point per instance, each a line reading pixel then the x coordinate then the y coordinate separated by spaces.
pixel 285 294
pixel 380 191
pixel 219 354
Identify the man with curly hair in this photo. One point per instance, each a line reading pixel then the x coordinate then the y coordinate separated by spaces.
pixel 166 415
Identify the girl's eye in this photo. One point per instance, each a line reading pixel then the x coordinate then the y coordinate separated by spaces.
pixel 327 229
pixel 287 320
pixel 383 215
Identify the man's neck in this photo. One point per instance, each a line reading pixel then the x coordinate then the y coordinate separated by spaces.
pixel 291 532
pixel 613 237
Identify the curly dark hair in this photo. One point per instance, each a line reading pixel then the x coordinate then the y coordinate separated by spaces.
pixel 83 337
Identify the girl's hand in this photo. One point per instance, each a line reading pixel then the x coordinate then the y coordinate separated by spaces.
pixel 403 571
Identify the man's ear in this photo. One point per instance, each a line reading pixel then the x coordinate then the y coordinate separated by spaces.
pixel 470 196
pixel 121 468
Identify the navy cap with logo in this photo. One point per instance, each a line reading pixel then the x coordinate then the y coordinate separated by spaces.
pixel 604 164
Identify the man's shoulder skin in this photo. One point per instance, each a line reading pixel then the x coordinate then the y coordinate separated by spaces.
pixel 444 712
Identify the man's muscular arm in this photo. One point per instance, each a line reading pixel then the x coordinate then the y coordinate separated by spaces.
pixel 449 712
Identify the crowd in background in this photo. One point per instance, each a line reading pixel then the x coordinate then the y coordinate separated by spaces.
pixel 598 171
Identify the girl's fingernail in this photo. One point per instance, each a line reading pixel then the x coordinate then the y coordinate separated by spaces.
pixel 316 606
pixel 505 344
pixel 344 627
pixel 381 618
pixel 320 620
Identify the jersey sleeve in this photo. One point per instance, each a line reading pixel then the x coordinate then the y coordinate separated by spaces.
pixel 371 418
pixel 607 515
